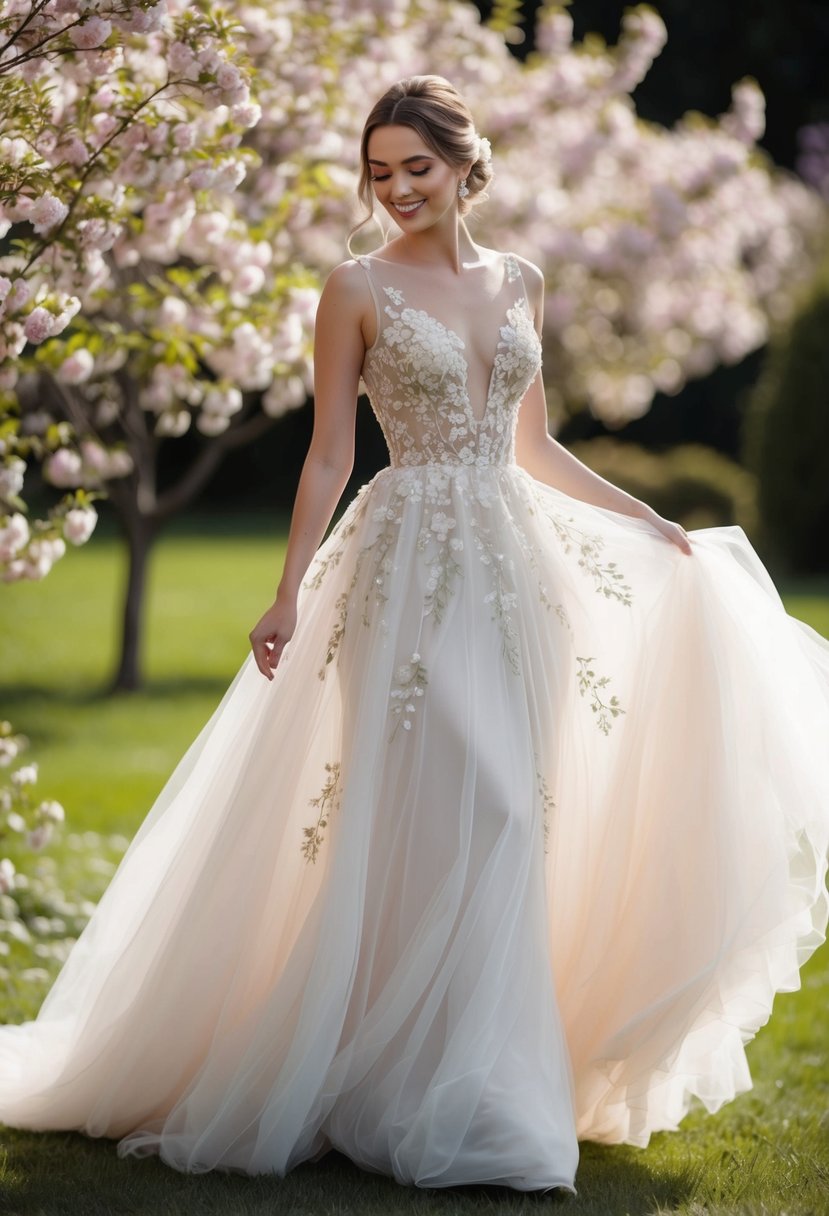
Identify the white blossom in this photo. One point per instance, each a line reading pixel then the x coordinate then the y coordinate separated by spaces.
pixel 25 775
pixel 47 213
pixel 76 368
pixel 14 535
pixel 52 810
pixel 79 524
pixel 7 873
pixel 11 477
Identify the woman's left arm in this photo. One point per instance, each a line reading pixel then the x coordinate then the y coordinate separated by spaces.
pixel 547 460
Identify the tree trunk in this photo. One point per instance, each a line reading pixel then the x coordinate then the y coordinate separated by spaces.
pixel 141 533
pixel 143 512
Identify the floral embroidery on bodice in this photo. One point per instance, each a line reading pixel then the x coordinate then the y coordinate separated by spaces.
pixel 454 509
pixel 417 372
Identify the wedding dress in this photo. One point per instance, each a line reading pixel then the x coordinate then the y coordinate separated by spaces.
pixel 515 850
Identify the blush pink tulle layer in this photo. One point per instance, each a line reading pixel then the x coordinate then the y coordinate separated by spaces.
pixel 550 899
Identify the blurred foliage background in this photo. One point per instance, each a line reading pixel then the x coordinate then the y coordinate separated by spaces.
pixel 698 455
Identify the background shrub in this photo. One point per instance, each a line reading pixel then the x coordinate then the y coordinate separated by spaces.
pixel 691 483
pixel 786 436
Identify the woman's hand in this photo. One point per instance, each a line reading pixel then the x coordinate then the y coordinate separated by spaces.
pixel 673 532
pixel 270 634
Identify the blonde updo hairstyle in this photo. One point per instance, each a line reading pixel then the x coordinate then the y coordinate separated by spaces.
pixel 432 107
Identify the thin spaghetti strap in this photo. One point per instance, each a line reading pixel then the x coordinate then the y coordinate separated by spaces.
pixel 365 263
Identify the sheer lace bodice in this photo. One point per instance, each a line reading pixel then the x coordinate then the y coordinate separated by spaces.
pixel 419 372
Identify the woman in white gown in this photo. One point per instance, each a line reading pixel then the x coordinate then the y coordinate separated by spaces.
pixel 526 826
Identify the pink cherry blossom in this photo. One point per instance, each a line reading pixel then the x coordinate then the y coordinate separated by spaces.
pixel 181 59
pixel 103 125
pixel 144 21
pixel 97 234
pixel 12 340
pixel 90 33
pixel 119 463
pixel 249 280
pixel 283 394
pixel 228 77
pixel 64 468
pixel 47 213
pixel 41 556
pixel 222 402
pixel 185 136
pixel 74 150
pixel 172 425
pixel 79 524
pixel 77 368
pixel 14 535
pixel 554 31
pixel 212 424
pixel 39 325
pixel 105 97
pixel 13 571
pixel 94 456
pixel 172 311
pixel 247 114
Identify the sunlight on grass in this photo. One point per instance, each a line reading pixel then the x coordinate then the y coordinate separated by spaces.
pixel 107 757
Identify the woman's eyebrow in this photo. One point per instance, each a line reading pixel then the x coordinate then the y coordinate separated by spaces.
pixel 420 156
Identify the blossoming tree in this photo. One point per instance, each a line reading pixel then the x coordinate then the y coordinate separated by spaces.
pixel 179 179
pixel 50 263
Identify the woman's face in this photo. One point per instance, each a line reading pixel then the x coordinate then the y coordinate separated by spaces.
pixel 414 185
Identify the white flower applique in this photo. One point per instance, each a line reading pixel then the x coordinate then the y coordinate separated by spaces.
pixel 378 554
pixel 346 527
pixel 501 598
pixel 548 806
pixel 411 681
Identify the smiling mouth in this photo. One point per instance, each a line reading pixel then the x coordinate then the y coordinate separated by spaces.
pixel 408 208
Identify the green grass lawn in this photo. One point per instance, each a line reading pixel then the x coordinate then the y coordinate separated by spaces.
pixel 106 758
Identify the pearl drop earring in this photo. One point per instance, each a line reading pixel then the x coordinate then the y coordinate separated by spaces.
pixel 463 189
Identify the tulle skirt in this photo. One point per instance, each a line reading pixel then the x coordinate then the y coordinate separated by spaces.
pixel 515 850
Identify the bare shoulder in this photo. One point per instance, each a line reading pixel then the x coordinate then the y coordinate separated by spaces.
pixel 346 302
pixel 347 282
pixel 346 293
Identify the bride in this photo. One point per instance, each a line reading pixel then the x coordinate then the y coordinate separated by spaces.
pixel 527 823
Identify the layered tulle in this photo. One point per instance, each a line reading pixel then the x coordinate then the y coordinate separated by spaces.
pixel 516 848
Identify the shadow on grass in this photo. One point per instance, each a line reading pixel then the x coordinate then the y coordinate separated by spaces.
pixel 20 694
pixel 70 1174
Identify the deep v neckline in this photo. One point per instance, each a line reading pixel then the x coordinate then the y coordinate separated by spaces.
pixel 475 422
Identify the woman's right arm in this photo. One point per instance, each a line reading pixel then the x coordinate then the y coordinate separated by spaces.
pixel 339 347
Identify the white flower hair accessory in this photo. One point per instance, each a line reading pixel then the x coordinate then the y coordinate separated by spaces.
pixel 484 150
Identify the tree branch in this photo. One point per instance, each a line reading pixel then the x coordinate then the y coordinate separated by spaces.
pixel 88 168
pixel 207 461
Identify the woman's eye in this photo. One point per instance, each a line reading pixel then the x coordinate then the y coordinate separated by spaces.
pixel 414 173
